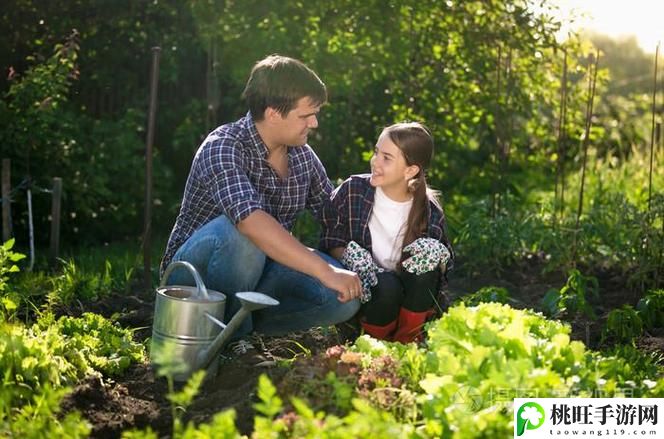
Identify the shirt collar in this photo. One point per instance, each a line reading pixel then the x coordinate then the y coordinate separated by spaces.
pixel 255 138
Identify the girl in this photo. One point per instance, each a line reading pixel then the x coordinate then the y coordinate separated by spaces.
pixel 389 228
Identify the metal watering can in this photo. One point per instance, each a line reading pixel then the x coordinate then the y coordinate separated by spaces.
pixel 188 332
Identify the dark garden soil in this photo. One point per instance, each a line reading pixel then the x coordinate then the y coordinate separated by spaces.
pixel 138 398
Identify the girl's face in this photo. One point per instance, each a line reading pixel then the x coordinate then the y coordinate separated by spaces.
pixel 389 169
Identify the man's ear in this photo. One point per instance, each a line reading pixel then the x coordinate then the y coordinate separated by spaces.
pixel 271 113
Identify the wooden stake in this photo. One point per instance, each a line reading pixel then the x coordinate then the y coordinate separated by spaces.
pixel 55 221
pixel 652 129
pixel 147 227
pixel 592 82
pixel 497 121
pixel 560 169
pixel 6 200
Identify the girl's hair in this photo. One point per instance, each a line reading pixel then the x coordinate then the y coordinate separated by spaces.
pixel 416 143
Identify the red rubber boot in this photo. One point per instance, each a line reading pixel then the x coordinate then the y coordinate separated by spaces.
pixel 380 332
pixel 410 325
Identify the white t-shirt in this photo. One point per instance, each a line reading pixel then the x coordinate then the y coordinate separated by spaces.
pixel 387 225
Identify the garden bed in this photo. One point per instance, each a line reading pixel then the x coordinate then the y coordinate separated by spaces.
pixel 137 399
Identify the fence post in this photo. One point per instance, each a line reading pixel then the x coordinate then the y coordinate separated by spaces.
pixel 55 221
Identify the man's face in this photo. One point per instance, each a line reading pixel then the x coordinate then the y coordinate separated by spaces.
pixel 295 126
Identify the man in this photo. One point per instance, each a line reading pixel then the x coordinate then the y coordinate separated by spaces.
pixel 248 181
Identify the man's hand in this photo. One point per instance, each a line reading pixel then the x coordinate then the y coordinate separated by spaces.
pixel 427 254
pixel 345 282
pixel 359 260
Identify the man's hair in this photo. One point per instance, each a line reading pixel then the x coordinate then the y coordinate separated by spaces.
pixel 280 82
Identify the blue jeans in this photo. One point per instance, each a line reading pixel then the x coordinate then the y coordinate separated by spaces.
pixel 229 262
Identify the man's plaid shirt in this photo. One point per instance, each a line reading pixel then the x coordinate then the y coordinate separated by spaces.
pixel 347 217
pixel 230 176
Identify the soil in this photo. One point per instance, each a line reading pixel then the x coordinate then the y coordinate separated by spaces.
pixel 137 399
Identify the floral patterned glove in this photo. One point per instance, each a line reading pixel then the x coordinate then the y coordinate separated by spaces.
pixel 427 254
pixel 358 259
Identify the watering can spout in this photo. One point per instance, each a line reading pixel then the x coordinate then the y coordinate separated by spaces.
pixel 250 301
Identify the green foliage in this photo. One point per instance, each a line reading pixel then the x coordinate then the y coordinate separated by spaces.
pixel 182 399
pixel 496 242
pixel 221 426
pixel 476 361
pixel 624 324
pixel 651 309
pixel 41 418
pixel 75 284
pixel 60 353
pixel 9 301
pixel 269 404
pixel 572 298
pixel 487 294
pixel 96 341
pixel 631 68
pixel 45 136
pixel 29 362
pixel 363 421
pixel 38 362
pixel 641 366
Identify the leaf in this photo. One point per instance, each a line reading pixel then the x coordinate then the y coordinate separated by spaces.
pixel 270 404
pixel 185 397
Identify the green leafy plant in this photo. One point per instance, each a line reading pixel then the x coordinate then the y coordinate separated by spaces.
pixel 651 309
pixel 9 301
pixel 75 283
pixel 572 298
pixel 476 361
pixel 98 343
pixel 487 294
pixel 221 426
pixel 42 417
pixel 624 324
pixel 182 399
pixel 640 365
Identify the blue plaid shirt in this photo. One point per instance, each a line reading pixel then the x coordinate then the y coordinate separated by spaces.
pixel 230 176
pixel 347 217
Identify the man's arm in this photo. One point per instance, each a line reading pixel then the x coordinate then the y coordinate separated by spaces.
pixel 268 235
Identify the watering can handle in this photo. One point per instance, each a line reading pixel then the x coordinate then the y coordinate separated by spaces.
pixel 200 286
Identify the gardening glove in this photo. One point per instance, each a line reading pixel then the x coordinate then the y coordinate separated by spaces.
pixel 427 254
pixel 359 260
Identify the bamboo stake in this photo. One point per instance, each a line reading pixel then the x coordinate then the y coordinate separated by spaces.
pixel 652 128
pixel 507 138
pixel 147 229
pixel 560 172
pixel 592 82
pixel 498 151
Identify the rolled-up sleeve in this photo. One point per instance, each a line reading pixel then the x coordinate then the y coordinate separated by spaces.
pixel 223 172
pixel 335 219
pixel 319 190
